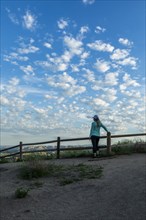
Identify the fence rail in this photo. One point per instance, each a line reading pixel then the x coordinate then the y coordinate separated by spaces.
pixel 58 148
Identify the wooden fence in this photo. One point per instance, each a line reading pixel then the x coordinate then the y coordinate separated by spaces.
pixel 58 148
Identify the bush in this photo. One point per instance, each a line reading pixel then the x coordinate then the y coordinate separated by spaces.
pixel 21 192
pixel 65 173
pixel 75 153
pixel 34 169
pixel 4 160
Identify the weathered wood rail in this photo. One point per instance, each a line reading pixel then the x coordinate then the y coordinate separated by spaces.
pixel 58 148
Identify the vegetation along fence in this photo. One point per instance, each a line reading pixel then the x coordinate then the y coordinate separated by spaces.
pixel 58 147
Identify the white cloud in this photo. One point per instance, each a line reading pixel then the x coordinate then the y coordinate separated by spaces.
pixel 102 66
pixel 12 17
pixel 84 29
pixel 88 2
pixel 66 57
pixel 110 94
pixel 14 81
pixel 62 67
pixel 62 23
pixel 4 101
pixel 89 75
pixel 125 42
pixel 99 45
pixel 119 54
pixel 75 68
pixel 111 79
pixel 75 46
pixel 99 102
pixel 67 83
pixel 55 63
pixel 129 61
pixel 48 45
pixel 99 29
pixel 15 56
pixel 85 55
pixel 131 93
pixel 29 21
pixel 27 50
pixel 92 82
pixel 27 69
pixel 128 81
pixel 82 32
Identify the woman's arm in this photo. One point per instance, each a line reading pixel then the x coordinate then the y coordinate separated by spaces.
pixel 104 127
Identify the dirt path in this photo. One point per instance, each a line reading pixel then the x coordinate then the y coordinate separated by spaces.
pixel 120 194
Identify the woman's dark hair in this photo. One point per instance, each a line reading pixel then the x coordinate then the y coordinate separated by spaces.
pixel 98 122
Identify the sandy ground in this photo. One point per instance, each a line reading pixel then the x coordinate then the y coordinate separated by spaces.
pixel 120 194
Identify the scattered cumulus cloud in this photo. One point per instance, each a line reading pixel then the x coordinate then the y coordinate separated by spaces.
pixel 62 23
pixel 119 54
pixel 84 29
pixel 27 50
pixel 67 84
pixel 99 30
pixel 74 45
pixel 125 42
pixel 129 61
pixel 15 57
pixel 111 78
pixel 12 17
pixel 84 76
pixel 99 45
pixel 82 32
pixel 128 81
pixel 88 2
pixel 100 102
pixel 48 45
pixel 29 21
pixel 102 65
pixel 27 69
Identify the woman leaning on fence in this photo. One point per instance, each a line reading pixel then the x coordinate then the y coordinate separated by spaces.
pixel 95 134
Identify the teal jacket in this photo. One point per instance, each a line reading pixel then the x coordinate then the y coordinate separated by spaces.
pixel 95 129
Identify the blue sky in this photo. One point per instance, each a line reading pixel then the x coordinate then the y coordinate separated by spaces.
pixel 64 61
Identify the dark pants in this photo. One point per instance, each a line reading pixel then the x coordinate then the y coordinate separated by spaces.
pixel 95 141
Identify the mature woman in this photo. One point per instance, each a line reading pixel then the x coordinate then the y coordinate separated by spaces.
pixel 95 134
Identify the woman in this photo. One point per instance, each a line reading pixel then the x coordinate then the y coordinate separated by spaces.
pixel 95 134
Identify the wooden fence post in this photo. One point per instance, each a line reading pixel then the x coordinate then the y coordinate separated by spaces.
pixel 58 147
pixel 21 154
pixel 108 143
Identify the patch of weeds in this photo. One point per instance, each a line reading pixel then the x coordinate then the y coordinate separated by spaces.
pixel 88 172
pixel 38 168
pixel 66 174
pixel 33 169
pixel 65 181
pixel 76 153
pixel 4 160
pixel 75 173
pixel 120 150
pixel 21 192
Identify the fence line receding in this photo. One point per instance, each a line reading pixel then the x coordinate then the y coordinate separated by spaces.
pixel 58 142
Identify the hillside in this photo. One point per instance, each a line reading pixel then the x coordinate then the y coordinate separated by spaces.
pixel 118 195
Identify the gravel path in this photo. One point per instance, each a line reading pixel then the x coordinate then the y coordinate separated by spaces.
pixel 120 194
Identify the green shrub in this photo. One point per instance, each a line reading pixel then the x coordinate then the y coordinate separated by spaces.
pixel 4 160
pixel 21 192
pixel 34 169
pixel 66 181
pixel 65 173
pixel 75 153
